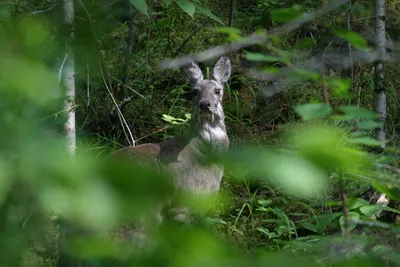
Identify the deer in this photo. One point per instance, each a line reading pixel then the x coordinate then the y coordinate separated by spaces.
pixel 207 133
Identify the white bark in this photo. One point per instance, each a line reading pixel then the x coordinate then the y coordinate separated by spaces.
pixel 380 89
pixel 69 79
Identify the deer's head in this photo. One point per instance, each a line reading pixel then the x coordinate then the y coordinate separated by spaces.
pixel 207 94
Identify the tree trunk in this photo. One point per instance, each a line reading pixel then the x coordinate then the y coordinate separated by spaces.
pixel 69 79
pixel 69 84
pixel 380 89
pixel 232 12
pixel 128 52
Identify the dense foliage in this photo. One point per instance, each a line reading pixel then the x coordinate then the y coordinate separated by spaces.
pixel 304 175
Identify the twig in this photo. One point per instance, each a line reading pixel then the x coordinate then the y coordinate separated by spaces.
pixel 350 48
pixel 250 40
pixel 60 71
pixel 44 10
pixel 88 85
pixel 323 80
pixel 345 211
pixel 120 115
pixel 372 224
pixel 279 80
pixel 388 167
pixel 128 48
pixel 232 12
pixel 325 89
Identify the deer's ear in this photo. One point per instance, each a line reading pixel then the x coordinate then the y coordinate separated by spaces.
pixel 192 73
pixel 222 70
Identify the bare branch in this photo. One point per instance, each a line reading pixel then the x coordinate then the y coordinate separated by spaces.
pixel 44 10
pixel 60 71
pixel 253 39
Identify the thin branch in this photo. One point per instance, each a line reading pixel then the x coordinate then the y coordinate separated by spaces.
pixel 325 89
pixel 323 80
pixel 128 48
pixel 44 10
pixel 232 12
pixel 131 141
pixel 252 39
pixel 349 47
pixel 345 212
pixel 88 85
pixel 60 71
pixel 282 78
pixel 388 167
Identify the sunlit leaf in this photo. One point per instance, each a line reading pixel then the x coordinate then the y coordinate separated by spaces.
pixel 233 33
pixel 261 57
pixel 141 5
pixel 312 111
pixel 339 86
pixel 286 14
pixel 265 202
pixel 390 190
pixel 353 112
pixel 352 216
pixel 367 141
pixel 370 210
pixel 354 38
pixel 355 203
pixel 369 124
pixel 336 154
pixel 187 6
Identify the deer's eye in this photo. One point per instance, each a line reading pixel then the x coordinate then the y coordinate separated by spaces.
pixel 217 91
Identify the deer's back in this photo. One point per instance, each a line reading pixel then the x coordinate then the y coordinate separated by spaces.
pixel 180 157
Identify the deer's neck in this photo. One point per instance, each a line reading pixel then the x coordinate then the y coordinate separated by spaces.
pixel 212 133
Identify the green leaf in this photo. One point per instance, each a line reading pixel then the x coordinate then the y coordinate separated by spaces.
pixel 325 220
pixel 265 202
pixel 353 38
pixel 340 86
pixel 304 43
pixel 370 210
pixel 187 7
pixel 324 146
pixel 390 190
pixel 369 124
pixel 167 2
pixel 233 33
pixel 162 23
pixel 209 14
pixel 352 216
pixel 311 111
pixel 367 141
pixel 261 57
pixel 355 203
pixel 141 5
pixel 286 14
pixel 358 112
pixel 310 227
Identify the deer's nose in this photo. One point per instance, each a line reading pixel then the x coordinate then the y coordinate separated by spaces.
pixel 205 104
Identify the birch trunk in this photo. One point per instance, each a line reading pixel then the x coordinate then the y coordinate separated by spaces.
pixel 69 79
pixel 380 89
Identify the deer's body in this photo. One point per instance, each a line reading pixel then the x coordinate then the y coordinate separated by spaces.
pixel 207 133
